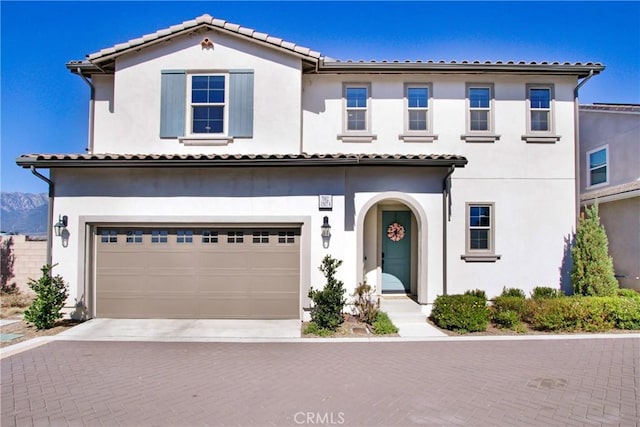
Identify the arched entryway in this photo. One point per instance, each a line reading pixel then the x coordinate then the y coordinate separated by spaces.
pixel 392 245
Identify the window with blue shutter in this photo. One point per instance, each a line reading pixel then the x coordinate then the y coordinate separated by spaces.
pixel 217 104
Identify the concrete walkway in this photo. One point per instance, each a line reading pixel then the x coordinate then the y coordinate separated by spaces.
pixel 409 317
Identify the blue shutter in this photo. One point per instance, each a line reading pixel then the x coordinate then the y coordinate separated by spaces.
pixel 241 103
pixel 172 103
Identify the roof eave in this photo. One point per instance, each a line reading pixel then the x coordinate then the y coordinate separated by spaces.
pixel 48 163
pixel 579 70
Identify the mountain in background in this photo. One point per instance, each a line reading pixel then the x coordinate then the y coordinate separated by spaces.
pixel 24 213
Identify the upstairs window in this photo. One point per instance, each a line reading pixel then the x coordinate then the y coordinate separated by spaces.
pixel 539 102
pixel 208 95
pixel 480 113
pixel 357 100
pixel 598 171
pixel 216 106
pixel 418 108
pixel 479 109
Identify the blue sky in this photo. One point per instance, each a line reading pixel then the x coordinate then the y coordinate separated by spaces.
pixel 44 108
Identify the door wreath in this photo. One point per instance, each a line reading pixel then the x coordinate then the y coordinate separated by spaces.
pixel 395 232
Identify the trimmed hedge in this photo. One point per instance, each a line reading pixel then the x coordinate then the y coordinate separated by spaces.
pixel 547 310
pixel 587 314
pixel 462 313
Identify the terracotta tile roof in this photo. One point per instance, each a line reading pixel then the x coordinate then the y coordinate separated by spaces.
pixel 155 160
pixel 208 21
pixel 101 61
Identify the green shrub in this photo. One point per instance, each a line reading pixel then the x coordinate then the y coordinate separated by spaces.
pixel 506 318
pixel 313 328
pixel 626 312
pixel 462 313
pixel 513 292
pixel 576 313
pixel 51 294
pixel 366 309
pixel 628 293
pixel 592 271
pixel 540 292
pixel 477 293
pixel 328 303
pixel 510 303
pixel 383 325
pixel 549 314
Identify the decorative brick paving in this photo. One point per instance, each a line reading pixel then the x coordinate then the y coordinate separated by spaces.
pixel 481 383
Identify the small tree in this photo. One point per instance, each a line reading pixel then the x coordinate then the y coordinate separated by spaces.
pixel 328 303
pixel 592 272
pixel 7 258
pixel 51 294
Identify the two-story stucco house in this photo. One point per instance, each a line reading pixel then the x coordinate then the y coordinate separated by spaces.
pixel 610 175
pixel 223 164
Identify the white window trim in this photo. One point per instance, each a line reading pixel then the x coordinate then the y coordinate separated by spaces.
pixel 204 139
pixel 588 166
pixel 427 135
pixel 356 135
pixel 488 135
pixel 480 255
pixel 537 136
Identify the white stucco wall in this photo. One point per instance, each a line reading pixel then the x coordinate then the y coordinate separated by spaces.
pixel 127 107
pixel 245 195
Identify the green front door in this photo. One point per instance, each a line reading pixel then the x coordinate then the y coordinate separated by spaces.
pixel 396 252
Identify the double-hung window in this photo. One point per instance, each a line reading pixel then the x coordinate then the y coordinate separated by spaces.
pixel 357 113
pixel 418 108
pixel 540 109
pixel 480 113
pixel 418 123
pixel 206 107
pixel 540 115
pixel 208 111
pixel 597 161
pixel 357 100
pixel 479 109
pixel 480 233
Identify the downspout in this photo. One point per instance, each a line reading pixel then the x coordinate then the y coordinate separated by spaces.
pixel 91 109
pixel 576 121
pixel 50 211
pixel 446 217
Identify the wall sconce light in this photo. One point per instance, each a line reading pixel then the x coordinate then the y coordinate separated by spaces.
pixel 326 232
pixel 61 225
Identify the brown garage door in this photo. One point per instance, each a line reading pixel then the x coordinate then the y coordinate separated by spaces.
pixel 158 272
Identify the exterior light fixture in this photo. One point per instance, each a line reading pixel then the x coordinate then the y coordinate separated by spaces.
pixel 61 225
pixel 326 232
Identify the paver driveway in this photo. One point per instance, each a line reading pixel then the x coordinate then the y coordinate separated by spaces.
pixel 486 382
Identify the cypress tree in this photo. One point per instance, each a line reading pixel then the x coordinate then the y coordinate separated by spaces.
pixel 592 272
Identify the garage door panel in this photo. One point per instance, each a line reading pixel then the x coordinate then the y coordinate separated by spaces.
pixel 239 274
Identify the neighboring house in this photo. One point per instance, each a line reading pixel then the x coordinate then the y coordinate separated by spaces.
pixel 219 156
pixel 610 175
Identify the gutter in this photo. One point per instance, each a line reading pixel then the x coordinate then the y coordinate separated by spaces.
pixel 446 217
pixel 577 155
pixel 49 212
pixel 91 109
